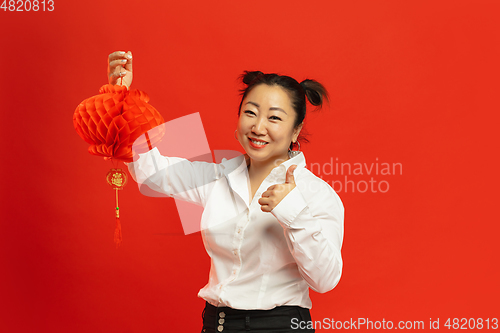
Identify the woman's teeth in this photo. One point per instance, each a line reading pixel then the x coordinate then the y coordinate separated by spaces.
pixel 260 143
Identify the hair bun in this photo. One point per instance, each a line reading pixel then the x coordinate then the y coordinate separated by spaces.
pixel 314 91
pixel 248 77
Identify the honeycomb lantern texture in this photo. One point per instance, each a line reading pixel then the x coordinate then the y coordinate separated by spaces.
pixel 111 121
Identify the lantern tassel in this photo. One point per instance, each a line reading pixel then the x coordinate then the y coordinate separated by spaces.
pixel 118 233
pixel 118 228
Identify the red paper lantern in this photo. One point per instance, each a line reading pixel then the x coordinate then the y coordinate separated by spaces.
pixel 111 123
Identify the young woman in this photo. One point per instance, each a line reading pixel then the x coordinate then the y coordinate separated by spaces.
pixel 286 234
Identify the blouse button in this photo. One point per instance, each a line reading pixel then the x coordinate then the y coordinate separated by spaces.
pixel 222 314
pixel 220 328
pixel 221 321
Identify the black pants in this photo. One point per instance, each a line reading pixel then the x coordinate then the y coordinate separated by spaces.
pixel 282 319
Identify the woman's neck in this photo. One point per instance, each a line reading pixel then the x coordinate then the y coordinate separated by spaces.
pixel 260 170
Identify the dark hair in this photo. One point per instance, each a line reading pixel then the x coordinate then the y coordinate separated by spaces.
pixel 313 90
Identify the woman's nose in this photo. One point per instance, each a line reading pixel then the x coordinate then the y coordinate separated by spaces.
pixel 259 127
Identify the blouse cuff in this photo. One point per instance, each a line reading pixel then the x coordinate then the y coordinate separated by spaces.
pixel 289 208
pixel 145 166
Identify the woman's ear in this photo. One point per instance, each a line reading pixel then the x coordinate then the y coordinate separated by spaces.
pixel 296 132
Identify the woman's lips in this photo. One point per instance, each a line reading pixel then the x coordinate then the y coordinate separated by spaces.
pixel 254 145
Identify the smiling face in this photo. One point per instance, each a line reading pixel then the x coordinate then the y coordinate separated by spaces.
pixel 267 117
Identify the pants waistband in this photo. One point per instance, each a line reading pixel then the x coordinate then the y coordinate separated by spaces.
pixel 280 319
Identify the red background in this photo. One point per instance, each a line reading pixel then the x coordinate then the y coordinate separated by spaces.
pixel 411 82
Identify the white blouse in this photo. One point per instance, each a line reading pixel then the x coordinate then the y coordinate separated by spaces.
pixel 259 260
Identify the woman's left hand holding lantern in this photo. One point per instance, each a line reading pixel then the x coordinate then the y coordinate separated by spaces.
pixel 120 68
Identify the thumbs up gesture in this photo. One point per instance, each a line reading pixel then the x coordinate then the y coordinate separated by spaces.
pixel 275 193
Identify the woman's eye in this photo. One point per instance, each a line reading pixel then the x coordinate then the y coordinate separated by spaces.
pixel 276 117
pixel 248 111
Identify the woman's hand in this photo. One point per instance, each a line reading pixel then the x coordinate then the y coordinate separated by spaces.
pixel 120 68
pixel 275 193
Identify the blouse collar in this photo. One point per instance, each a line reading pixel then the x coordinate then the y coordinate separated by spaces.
pixel 239 164
pixel 278 174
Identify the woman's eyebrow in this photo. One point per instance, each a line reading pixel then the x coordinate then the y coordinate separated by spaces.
pixel 271 108
pixel 253 103
pixel 277 109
